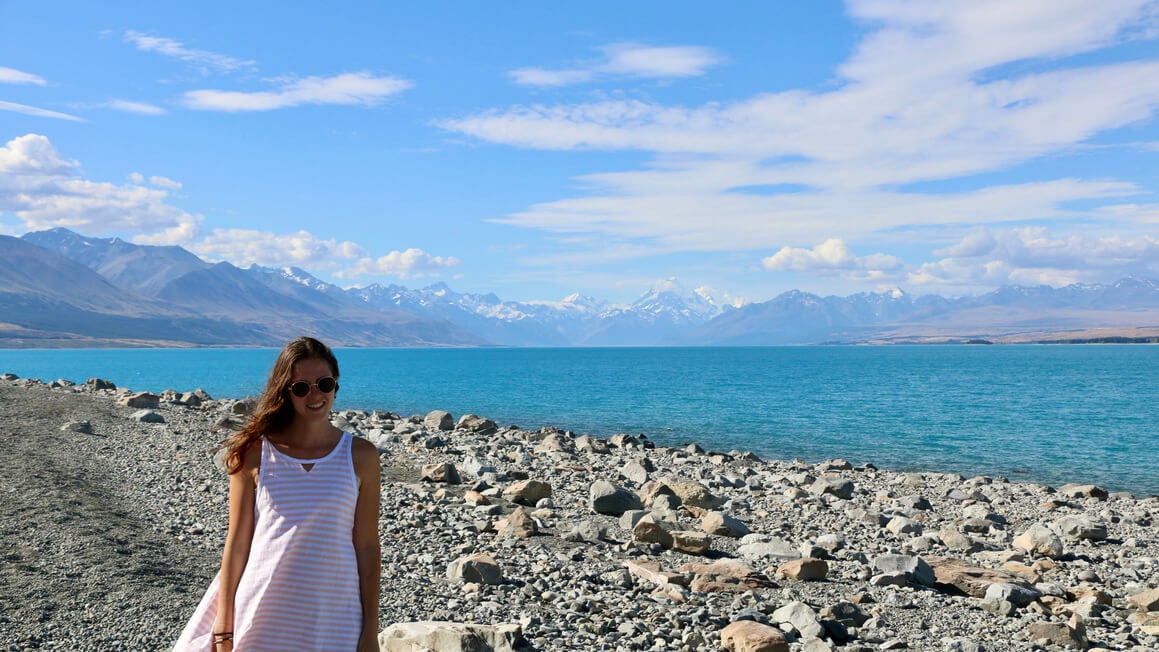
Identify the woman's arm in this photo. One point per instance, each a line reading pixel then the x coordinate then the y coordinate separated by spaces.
pixel 366 546
pixel 242 489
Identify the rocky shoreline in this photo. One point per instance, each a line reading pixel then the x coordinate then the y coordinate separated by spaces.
pixel 114 512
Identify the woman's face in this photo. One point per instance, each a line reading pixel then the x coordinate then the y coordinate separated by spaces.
pixel 315 405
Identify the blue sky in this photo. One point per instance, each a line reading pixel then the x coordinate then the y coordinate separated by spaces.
pixel 539 149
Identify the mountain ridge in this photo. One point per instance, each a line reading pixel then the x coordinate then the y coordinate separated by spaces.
pixel 58 287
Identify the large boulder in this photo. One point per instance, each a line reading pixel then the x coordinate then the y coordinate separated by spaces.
pixel 141 400
pixel 607 498
pixel 518 524
pixel 839 487
pixel 528 492
pixel 1145 601
pixel 479 568
pixel 724 525
pixel 449 637
pixel 1039 540
pixel 955 575
pixel 915 568
pixel 1081 527
pixel 439 420
pixel 694 494
pixel 476 424
pixel 443 472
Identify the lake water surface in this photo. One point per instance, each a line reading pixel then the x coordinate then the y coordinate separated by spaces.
pixel 1050 414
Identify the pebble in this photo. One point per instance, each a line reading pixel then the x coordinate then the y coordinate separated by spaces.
pixel 112 539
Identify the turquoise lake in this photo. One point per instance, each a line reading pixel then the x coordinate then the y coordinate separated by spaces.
pixel 1050 414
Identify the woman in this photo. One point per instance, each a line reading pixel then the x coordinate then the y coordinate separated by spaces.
pixel 300 570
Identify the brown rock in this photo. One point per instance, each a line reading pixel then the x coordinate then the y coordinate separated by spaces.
pixel 528 492
pixel 140 400
pixel 694 494
pixel 725 576
pixel 691 542
pixel 1145 601
pixel 650 571
pixel 1072 634
pixel 1027 572
pixel 804 569
pixel 751 636
pixel 445 472
pixel 1093 592
pixel 648 531
pixel 971 580
pixel 518 524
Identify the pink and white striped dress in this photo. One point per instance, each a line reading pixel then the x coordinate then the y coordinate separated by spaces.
pixel 300 588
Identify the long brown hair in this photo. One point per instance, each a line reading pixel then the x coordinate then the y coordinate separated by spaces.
pixel 274 412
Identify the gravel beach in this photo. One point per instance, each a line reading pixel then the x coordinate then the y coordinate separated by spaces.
pixel 113 516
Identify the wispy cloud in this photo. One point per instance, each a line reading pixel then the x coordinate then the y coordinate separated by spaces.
pixel 38 112
pixel 176 49
pixel 625 60
pixel 933 92
pixel 13 76
pixel 140 108
pixel 362 89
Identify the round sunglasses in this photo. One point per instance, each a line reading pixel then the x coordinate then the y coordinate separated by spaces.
pixel 324 385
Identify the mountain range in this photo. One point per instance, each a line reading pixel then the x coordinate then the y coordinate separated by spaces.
pixel 60 288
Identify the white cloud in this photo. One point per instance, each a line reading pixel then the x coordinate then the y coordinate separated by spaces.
pixel 411 263
pixel 13 76
pixel 1034 255
pixel 140 108
pixel 244 247
pixel 176 49
pixel 831 256
pixel 38 112
pixel 42 190
pixel 625 60
pixel 165 182
pixel 137 177
pixel 350 89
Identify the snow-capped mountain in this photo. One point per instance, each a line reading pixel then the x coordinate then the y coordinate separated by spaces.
pixel 116 291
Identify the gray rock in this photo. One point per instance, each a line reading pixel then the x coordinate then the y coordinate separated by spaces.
pixel 607 498
pixel 801 617
pixel 914 568
pixel 586 532
pixel 439 420
pixel 775 550
pixel 840 487
pixel 147 416
pixel 636 472
pixel 1081 527
pixel 81 427
pixel 1018 595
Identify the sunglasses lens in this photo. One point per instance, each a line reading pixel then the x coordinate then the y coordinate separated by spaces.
pixel 326 385
pixel 300 388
